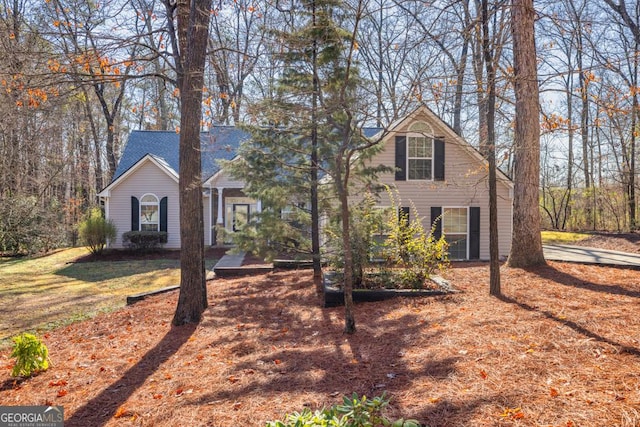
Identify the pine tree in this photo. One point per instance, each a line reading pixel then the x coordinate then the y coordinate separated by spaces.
pixel 310 128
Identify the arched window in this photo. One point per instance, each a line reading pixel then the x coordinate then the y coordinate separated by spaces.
pixel 149 213
pixel 421 127
pixel 420 151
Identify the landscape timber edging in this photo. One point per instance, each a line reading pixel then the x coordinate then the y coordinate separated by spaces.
pixel 334 296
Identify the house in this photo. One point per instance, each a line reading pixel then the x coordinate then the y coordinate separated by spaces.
pixel 446 180
pixel 143 194
pixel 436 172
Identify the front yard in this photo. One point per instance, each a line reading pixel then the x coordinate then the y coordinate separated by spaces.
pixel 560 349
pixel 39 293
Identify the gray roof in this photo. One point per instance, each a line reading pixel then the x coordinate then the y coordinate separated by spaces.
pixel 220 143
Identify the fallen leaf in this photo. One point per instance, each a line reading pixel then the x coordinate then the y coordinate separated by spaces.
pixel 58 383
pixel 120 412
pixel 237 405
pixel 233 379
pixel 553 392
pixel 62 392
pixel 483 374
pixel 277 361
pixel 157 396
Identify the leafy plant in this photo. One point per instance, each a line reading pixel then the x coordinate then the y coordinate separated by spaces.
pixel 354 411
pixel 409 247
pixel 95 230
pixel 365 222
pixel 31 355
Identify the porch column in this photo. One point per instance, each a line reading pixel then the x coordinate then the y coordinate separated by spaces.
pixel 220 219
pixel 259 206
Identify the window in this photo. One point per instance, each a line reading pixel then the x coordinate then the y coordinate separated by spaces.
pixel 149 213
pixel 419 157
pixel 420 151
pixel 455 229
pixel 380 218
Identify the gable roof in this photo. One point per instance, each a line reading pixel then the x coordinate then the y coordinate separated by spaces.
pixel 452 135
pixel 162 147
pixel 220 143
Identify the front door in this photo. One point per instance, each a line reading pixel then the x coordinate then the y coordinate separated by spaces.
pixel 240 216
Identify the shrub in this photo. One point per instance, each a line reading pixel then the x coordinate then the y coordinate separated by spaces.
pixel 364 222
pixel 31 355
pixel 354 412
pixel 29 225
pixel 144 240
pixel 411 248
pixel 95 230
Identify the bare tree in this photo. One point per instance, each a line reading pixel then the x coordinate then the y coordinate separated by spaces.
pixel 526 245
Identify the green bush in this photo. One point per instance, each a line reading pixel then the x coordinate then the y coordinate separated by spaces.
pixel 354 412
pixel 31 355
pixel 409 247
pixel 144 240
pixel 95 230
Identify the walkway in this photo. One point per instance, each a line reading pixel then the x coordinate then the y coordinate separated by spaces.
pixel 586 255
pixel 230 260
pixel 231 265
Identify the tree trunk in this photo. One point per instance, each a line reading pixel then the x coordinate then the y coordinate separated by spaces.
pixel 526 244
pixel 490 145
pixel 315 209
pixel 349 319
pixel 193 27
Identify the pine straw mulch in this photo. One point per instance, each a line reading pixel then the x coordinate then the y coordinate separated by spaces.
pixel 559 349
pixel 626 242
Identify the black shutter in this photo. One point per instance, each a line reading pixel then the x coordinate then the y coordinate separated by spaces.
pixel 474 233
pixel 163 214
pixel 403 215
pixel 401 158
pixel 438 159
pixel 135 214
pixel 436 212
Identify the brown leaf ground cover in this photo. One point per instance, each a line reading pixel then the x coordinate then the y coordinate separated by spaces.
pixel 560 349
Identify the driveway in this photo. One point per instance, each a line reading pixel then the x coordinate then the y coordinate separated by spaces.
pixel 586 255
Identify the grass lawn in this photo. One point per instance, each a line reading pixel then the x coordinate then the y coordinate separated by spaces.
pixel 562 237
pixel 40 293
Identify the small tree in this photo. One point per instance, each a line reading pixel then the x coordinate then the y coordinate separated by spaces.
pixel 95 230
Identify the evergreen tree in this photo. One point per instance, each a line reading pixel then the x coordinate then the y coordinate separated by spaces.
pixel 310 128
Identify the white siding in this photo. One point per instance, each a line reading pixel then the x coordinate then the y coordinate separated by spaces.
pixel 466 184
pixel 148 178
pixel 224 180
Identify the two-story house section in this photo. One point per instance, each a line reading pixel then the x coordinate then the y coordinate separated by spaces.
pixel 446 180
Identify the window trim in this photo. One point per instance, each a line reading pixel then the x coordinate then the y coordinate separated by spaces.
pixel 429 137
pixel 468 228
pixel 143 203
